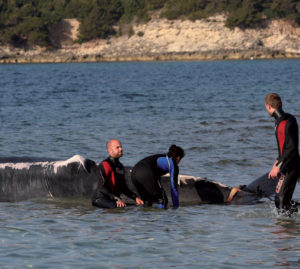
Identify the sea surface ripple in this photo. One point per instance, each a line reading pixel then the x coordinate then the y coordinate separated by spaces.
pixel 214 110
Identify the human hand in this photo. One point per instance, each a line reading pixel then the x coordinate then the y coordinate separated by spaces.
pixel 139 201
pixel 120 203
pixel 274 172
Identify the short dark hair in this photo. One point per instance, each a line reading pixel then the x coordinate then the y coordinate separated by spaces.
pixel 274 100
pixel 175 151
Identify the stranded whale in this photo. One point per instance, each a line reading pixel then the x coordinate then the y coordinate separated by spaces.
pixel 27 178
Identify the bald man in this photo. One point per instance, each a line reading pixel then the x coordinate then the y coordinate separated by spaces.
pixel 112 182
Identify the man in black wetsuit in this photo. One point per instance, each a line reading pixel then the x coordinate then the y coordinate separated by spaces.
pixel 112 182
pixel 288 161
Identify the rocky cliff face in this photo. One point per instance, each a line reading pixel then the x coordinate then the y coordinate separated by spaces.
pixel 161 39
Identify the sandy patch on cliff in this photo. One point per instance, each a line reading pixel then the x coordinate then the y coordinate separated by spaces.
pixel 65 32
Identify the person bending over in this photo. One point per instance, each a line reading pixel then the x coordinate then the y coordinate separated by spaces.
pixel 288 161
pixel 112 182
pixel 146 177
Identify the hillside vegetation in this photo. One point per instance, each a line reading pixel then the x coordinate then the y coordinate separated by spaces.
pixel 28 22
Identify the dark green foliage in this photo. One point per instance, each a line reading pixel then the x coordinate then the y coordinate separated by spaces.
pixel 155 4
pixel 135 9
pixel 99 21
pixel 80 8
pixel 27 22
pixel 24 23
pixel 248 15
pixel 240 13
pixel 189 8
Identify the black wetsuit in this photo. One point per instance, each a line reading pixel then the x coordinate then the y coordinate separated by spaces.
pixel 286 131
pixel 111 185
pixel 146 177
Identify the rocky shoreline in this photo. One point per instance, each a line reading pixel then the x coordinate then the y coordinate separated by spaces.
pixel 57 57
pixel 163 40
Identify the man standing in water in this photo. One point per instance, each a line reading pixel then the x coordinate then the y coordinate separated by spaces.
pixel 288 161
pixel 112 182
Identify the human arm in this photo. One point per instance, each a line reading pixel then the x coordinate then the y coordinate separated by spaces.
pixel 132 195
pixel 123 187
pixel 174 183
pixel 167 165
pixel 126 191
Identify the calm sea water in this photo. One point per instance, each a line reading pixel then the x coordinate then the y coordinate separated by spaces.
pixel 214 110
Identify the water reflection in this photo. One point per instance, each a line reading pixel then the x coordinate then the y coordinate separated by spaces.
pixel 287 227
pixel 286 231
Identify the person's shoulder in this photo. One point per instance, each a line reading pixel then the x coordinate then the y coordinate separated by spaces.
pixel 120 164
pixel 290 117
pixel 105 163
pixel 152 157
pixel 105 160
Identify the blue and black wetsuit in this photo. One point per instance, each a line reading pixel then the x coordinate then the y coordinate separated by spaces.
pixel 146 177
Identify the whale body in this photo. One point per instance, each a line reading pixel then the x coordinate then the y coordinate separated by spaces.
pixel 23 178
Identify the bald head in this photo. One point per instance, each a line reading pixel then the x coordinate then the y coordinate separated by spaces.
pixel 114 148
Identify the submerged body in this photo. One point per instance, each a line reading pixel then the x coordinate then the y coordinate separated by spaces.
pixel 23 178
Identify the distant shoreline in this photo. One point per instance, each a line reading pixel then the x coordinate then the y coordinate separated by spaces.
pixel 163 40
pixel 58 57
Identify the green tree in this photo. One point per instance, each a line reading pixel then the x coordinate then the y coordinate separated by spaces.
pixel 80 8
pixel 189 8
pixel 155 4
pixel 132 8
pixel 3 5
pixel 27 22
pixel 247 16
pixel 33 31
pixel 100 21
